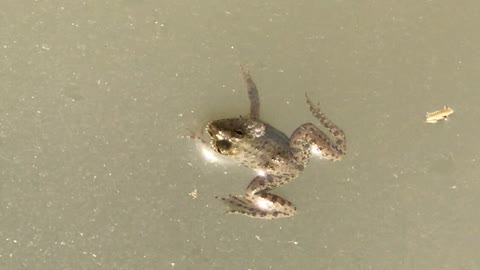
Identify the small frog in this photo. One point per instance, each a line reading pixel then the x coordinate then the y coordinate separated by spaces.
pixel 277 158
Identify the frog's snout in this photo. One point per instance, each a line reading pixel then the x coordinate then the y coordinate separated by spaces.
pixel 213 131
pixel 210 130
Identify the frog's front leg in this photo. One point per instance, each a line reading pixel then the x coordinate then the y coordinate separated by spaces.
pixel 252 94
pixel 258 203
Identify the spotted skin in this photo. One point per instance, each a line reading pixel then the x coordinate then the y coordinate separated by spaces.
pixel 259 146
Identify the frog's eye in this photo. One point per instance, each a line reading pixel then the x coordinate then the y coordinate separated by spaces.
pixel 239 132
pixel 223 146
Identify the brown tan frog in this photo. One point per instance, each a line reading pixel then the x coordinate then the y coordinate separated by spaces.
pixel 277 158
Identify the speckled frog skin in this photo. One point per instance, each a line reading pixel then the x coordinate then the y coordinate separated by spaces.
pixel 277 158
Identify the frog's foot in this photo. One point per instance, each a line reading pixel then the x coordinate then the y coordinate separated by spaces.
pixel 263 205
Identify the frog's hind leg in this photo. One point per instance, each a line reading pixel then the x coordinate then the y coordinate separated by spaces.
pixel 258 203
pixel 264 206
pixel 340 144
pixel 252 93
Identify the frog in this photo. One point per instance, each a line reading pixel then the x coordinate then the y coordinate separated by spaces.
pixel 276 158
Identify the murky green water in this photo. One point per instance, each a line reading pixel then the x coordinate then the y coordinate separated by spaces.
pixel 96 97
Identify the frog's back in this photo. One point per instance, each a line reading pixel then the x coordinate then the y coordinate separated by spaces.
pixel 270 152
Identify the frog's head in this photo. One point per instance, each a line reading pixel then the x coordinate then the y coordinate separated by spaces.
pixel 229 135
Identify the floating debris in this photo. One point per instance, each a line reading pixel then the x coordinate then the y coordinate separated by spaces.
pixel 193 194
pixel 436 116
